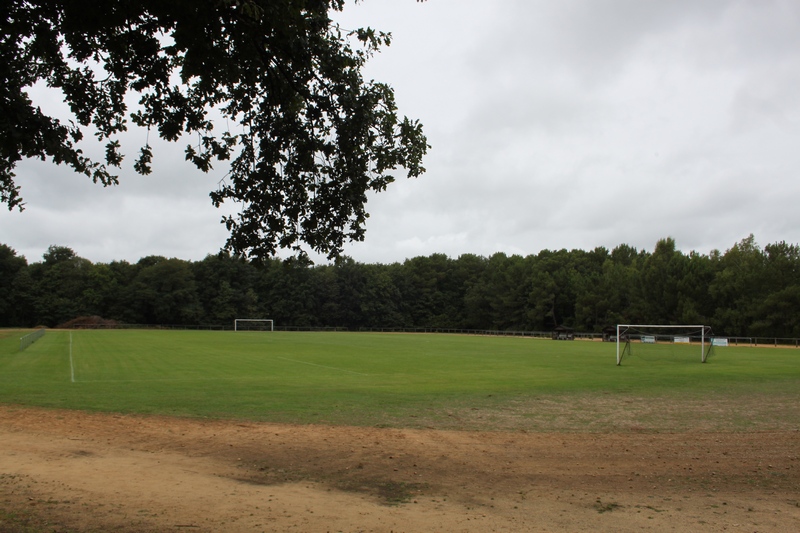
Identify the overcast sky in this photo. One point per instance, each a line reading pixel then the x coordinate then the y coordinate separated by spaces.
pixel 568 124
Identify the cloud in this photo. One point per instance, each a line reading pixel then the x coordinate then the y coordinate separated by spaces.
pixel 570 124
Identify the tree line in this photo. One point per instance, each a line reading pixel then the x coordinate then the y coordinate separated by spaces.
pixel 745 291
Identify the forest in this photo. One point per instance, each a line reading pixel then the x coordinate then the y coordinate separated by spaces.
pixel 745 291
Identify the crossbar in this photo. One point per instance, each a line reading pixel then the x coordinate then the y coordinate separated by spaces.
pixel 236 322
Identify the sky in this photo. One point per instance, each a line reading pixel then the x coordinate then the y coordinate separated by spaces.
pixel 569 124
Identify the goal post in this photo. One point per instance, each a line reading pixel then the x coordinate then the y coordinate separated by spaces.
pixel 253 324
pixel 661 333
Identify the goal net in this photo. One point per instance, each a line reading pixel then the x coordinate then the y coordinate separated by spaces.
pixel 30 338
pixel 253 324
pixel 654 340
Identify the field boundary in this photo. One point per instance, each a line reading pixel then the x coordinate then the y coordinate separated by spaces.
pixel 754 341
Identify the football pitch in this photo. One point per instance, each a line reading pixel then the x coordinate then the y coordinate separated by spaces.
pixel 401 380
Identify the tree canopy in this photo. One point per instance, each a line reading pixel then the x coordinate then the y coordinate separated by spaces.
pixel 744 292
pixel 312 137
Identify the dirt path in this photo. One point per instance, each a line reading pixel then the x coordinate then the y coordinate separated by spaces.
pixel 73 471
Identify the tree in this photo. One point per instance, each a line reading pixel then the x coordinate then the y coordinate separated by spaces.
pixel 422 285
pixel 509 287
pixel 592 305
pixel 661 274
pixel 380 298
pixel 10 265
pixel 22 297
pixel 313 136
pixel 58 254
pixel 225 288
pixel 739 287
pixel 777 307
pixel 61 282
pixel 166 292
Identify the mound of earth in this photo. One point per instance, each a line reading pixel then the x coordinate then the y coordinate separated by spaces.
pixel 76 471
pixel 88 322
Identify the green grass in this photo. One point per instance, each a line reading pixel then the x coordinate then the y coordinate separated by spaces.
pixel 412 380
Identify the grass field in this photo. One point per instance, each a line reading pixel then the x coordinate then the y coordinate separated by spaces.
pixel 402 380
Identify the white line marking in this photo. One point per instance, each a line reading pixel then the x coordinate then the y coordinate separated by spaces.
pixel 322 366
pixel 71 366
pixel 171 380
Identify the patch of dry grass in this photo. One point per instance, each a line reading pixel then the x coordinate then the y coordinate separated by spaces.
pixel 614 413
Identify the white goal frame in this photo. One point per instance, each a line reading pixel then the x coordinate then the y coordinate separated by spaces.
pixel 699 327
pixel 237 320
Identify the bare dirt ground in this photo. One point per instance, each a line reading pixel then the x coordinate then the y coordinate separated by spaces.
pixel 75 471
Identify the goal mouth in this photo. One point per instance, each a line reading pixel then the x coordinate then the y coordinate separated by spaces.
pixel 253 324
pixel 661 339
